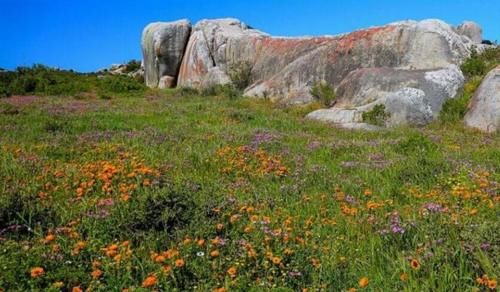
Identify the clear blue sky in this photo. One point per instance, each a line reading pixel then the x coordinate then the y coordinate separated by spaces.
pixel 86 35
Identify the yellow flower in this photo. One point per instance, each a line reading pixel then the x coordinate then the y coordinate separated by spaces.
pixel 403 277
pixel 415 264
pixel 149 282
pixel 232 271
pixel 363 282
pixel 316 263
pixel 276 260
pixel 58 284
pixel 37 272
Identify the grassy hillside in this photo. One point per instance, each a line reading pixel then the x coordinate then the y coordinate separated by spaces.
pixel 172 190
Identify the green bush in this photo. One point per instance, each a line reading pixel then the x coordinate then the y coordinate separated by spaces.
pixel 377 116
pixel 42 80
pixel 324 93
pixel 132 65
pixel 240 74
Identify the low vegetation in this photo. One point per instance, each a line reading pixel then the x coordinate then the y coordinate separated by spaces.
pixel 323 93
pixel 150 191
pixel 474 69
pixel 378 116
pixel 43 80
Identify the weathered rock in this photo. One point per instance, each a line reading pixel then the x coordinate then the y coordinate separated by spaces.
pixel 484 110
pixel 163 45
pixel 471 30
pixel 166 82
pixel 413 97
pixel 410 66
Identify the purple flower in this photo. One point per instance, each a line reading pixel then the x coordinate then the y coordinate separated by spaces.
pixel 433 207
pixel 396 229
pixel 294 274
pixel 485 246
pixel 350 199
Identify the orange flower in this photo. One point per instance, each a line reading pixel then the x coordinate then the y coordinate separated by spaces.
pixel 276 260
pixel 167 269
pixel 316 263
pixel 415 264
pixel 150 281
pixel 222 289
pixel 160 259
pixel 201 242
pixel 49 238
pixel 219 227
pixel 352 290
pixel 76 289
pixel 492 284
pixel 363 282
pixel 367 192
pixel 179 263
pixel 403 277
pixel 96 274
pixel 214 253
pixel 232 271
pixel 36 272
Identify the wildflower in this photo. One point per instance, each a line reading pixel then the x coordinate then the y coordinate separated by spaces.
pixel 49 238
pixel 222 289
pixel 200 254
pixel 96 274
pixel 214 253
pixel 179 263
pixel 403 277
pixel 415 264
pixel 473 211
pixel 36 272
pixel 363 282
pixel 352 290
pixel 492 284
pixel 149 282
pixel 232 271
pixel 160 259
pixel 276 260
pixel 201 242
pixel 316 263
pixel 367 192
pixel 167 269
pixel 58 284
pixel 76 289
pixel 219 227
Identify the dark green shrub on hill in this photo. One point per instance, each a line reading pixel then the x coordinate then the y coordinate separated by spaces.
pixel 377 116
pixel 43 80
pixel 324 93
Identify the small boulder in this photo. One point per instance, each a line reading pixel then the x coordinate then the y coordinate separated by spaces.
pixel 471 30
pixel 484 109
pixel 166 82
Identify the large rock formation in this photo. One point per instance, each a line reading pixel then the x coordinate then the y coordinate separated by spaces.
pixel 410 67
pixel 484 111
pixel 163 45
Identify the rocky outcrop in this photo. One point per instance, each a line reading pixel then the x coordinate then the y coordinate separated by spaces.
pixel 163 45
pixel 484 110
pixel 410 67
pixel 472 30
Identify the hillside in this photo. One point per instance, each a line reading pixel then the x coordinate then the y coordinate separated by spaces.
pixel 173 189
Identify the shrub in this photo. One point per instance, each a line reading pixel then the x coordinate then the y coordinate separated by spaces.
pixel 377 116
pixel 455 109
pixel 240 74
pixel 324 93
pixel 119 84
pixel 225 90
pixel 132 65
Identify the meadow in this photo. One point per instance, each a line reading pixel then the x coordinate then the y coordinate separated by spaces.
pixel 175 190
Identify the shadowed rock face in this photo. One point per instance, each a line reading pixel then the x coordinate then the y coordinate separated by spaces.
pixel 484 110
pixel 163 45
pixel 370 66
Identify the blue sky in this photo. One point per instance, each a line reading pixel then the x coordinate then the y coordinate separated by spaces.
pixel 86 35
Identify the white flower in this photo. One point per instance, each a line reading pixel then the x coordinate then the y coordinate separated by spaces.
pixel 200 253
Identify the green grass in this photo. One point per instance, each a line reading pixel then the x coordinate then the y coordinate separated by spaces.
pixel 288 203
